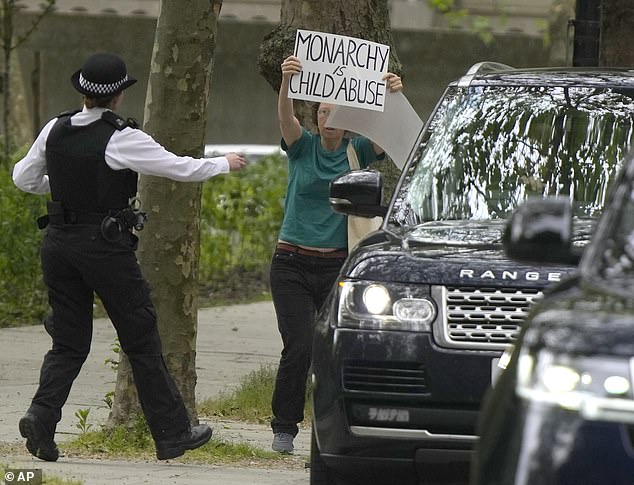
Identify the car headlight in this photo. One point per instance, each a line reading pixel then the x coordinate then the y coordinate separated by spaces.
pixel 598 387
pixel 367 304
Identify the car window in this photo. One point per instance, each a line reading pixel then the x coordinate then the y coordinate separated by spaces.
pixel 489 148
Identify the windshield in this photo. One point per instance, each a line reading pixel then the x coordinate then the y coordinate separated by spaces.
pixel 489 148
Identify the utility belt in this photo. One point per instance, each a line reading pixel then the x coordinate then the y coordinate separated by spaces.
pixel 112 223
pixel 70 217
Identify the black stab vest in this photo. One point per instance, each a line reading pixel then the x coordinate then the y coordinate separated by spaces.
pixel 79 176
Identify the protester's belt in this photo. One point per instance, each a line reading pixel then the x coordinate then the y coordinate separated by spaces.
pixel 291 248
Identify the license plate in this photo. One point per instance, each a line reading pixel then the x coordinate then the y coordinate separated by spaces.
pixel 388 415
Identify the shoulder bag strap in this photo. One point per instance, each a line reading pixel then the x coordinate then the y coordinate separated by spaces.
pixel 353 161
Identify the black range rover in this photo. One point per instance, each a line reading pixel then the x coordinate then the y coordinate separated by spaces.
pixel 410 337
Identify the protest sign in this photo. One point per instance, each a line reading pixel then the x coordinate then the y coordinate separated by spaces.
pixel 340 70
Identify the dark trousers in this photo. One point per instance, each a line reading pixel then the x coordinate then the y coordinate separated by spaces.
pixel 77 262
pixel 299 286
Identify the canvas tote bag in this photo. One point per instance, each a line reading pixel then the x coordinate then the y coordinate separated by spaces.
pixel 358 226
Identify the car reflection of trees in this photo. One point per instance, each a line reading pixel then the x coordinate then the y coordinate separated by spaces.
pixel 495 146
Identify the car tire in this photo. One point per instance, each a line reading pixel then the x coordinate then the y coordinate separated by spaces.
pixel 320 474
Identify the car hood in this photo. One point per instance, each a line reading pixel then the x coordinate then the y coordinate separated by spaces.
pixel 475 234
pixel 586 320
pixel 449 253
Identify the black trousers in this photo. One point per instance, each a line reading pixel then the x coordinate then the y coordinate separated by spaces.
pixel 299 287
pixel 77 263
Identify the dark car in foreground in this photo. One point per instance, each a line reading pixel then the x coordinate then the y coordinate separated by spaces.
pixel 562 412
pixel 410 337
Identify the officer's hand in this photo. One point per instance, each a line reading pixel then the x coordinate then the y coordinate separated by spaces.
pixel 236 161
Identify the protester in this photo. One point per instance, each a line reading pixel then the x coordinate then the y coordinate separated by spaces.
pixel 311 248
pixel 89 160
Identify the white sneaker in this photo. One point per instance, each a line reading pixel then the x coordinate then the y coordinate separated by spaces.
pixel 283 442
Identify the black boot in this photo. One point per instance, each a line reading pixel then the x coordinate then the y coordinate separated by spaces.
pixel 39 441
pixel 188 440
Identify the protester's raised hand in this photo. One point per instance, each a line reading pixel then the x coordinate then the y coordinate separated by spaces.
pixel 393 82
pixel 291 65
pixel 236 161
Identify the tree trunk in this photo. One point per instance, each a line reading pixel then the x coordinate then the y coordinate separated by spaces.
pixel 365 19
pixel 617 33
pixel 8 10
pixel 175 115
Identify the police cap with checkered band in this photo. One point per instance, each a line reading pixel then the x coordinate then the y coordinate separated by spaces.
pixel 102 75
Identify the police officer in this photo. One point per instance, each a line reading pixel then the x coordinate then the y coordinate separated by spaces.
pixel 89 161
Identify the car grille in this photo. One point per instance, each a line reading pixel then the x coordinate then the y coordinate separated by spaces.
pixel 488 318
pixel 388 377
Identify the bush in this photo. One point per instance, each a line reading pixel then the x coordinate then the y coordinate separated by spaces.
pixel 22 292
pixel 241 217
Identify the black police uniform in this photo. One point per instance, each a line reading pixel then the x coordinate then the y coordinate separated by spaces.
pixel 77 261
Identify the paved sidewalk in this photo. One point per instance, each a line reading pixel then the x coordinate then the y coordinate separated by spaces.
pixel 232 341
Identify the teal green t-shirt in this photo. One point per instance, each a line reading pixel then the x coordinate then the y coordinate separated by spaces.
pixel 308 218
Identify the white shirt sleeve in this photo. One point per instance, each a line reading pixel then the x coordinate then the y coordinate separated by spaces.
pixel 127 149
pixel 29 174
pixel 138 151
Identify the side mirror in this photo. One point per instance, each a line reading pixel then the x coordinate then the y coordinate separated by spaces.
pixel 540 230
pixel 358 193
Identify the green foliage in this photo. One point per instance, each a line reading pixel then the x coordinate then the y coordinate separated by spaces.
pixel 241 217
pixel 251 400
pixel 119 440
pixel 457 17
pixel 114 363
pixel 22 292
pixel 82 420
pixel 443 6
pixel 108 399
